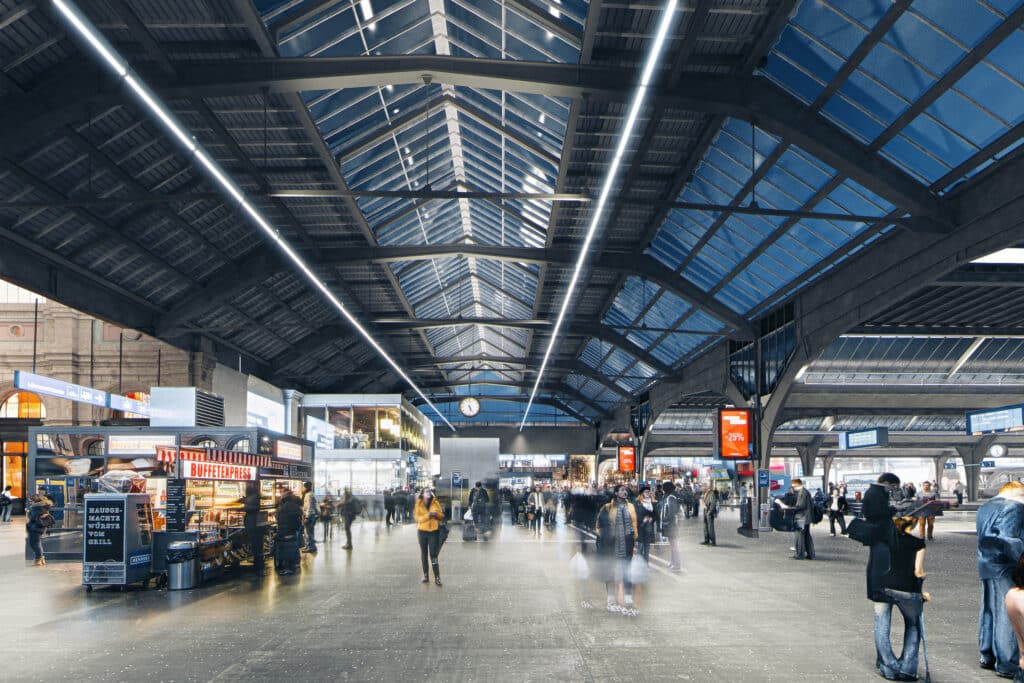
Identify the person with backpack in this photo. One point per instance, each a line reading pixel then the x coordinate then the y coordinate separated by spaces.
pixel 350 509
pixel 39 520
pixel 670 523
pixel 6 504
pixel 902 586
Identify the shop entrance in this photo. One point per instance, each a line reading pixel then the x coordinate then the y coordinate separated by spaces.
pixel 19 411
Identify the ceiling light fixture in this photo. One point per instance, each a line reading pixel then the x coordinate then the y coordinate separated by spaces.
pixel 653 57
pixel 120 66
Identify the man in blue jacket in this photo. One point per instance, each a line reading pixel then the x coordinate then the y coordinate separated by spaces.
pixel 1000 525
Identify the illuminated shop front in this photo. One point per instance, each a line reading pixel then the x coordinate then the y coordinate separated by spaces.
pixel 367 442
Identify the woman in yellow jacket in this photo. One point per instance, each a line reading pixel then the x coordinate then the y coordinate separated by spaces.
pixel 429 516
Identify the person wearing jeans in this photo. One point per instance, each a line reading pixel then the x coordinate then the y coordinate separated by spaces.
pixel 429 516
pixel 902 587
pixel 1000 528
pixel 669 517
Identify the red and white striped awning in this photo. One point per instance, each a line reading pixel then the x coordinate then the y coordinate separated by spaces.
pixel 169 454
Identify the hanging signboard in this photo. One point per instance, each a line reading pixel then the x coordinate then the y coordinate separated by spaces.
pixel 996 420
pixel 627 459
pixel 288 451
pixel 217 470
pixel 734 434
pixel 864 438
pixel 48 386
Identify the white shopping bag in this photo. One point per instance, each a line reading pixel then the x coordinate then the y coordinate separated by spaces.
pixel 638 570
pixel 468 516
pixel 580 568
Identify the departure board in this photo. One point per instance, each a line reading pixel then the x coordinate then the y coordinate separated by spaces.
pixel 996 420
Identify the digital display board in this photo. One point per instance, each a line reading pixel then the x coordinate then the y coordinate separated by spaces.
pixel 864 438
pixel 996 420
pixel 288 451
pixel 627 459
pixel 734 434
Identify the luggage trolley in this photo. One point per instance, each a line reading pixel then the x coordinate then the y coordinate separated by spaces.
pixel 117 546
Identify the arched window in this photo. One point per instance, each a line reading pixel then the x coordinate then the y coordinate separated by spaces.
pixel 94 447
pixel 241 445
pixel 205 442
pixel 23 405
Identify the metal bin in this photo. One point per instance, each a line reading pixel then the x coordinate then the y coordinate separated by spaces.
pixel 182 565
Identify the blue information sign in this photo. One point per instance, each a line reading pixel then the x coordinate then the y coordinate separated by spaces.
pixel 48 386
pixel 128 405
pixel 994 420
pixel 763 479
pixel 864 438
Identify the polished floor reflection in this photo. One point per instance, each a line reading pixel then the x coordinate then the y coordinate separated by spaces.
pixel 509 610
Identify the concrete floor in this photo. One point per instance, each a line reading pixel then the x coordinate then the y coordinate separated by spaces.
pixel 509 611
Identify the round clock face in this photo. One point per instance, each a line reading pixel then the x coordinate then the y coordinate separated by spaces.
pixel 997 450
pixel 469 406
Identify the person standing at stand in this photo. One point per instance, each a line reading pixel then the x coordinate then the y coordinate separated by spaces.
pixel 429 516
pixel 310 512
pixel 253 529
pixel 289 532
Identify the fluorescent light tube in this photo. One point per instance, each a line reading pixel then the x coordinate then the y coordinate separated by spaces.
pixel 653 58
pixel 84 28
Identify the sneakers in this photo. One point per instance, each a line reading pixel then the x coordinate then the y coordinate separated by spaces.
pixel 425 579
pixel 437 580
pixel 41 562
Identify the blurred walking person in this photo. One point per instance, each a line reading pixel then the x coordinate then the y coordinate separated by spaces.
pixel 616 536
pixel 327 516
pixel 535 508
pixel 389 507
pixel 670 523
pixel 928 496
pixel 837 507
pixel 429 516
pixel 39 520
pixel 350 509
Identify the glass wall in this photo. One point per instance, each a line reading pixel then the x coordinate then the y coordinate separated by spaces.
pixel 375 427
pixel 363 477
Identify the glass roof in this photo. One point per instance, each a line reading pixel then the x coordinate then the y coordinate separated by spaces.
pixel 899 100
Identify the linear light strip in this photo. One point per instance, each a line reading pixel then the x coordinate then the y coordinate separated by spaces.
pixel 653 57
pixel 120 66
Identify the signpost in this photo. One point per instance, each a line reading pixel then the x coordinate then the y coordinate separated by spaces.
pixel 763 479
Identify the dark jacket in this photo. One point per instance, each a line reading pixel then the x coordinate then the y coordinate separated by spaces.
pixel 843 504
pixel 1000 526
pixel 289 515
pixel 478 495
pixel 36 509
pixel 646 521
pixel 877 512
pixel 605 528
pixel 802 506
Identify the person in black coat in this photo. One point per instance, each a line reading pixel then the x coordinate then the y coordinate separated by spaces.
pixel 289 530
pixel 389 507
pixel 646 522
pixel 837 505
pixel 877 511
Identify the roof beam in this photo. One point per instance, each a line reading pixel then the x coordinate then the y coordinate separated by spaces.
pixel 643 266
pixel 30 116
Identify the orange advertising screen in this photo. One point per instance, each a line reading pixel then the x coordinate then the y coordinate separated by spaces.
pixel 735 436
pixel 627 459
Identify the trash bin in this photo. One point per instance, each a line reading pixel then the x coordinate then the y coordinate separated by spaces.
pixel 182 565
pixel 456 512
